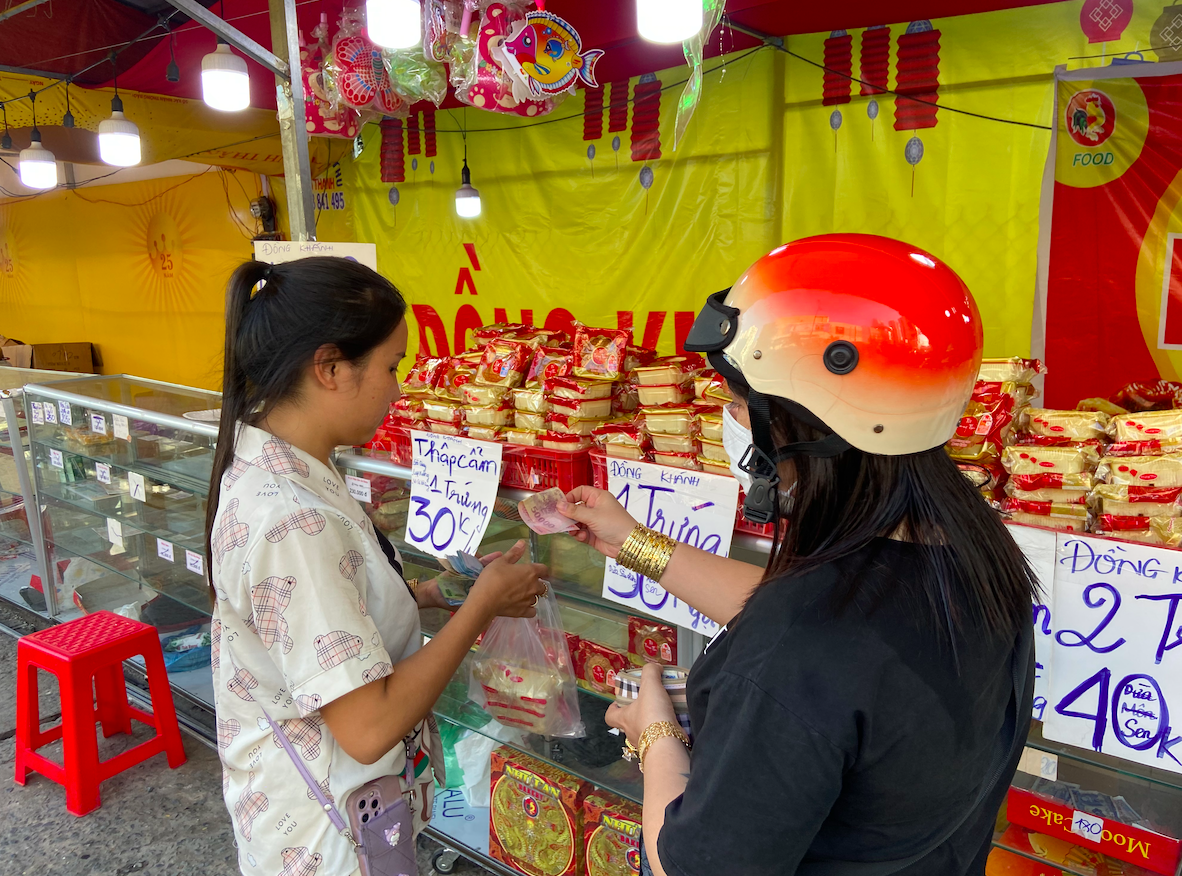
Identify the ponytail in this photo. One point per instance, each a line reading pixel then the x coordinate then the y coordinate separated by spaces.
pixel 277 317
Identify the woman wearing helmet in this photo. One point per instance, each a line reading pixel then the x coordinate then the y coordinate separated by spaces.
pixel 864 707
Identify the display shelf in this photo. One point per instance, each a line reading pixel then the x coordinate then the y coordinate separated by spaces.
pixel 1126 769
pixel 194 481
pixel 1014 840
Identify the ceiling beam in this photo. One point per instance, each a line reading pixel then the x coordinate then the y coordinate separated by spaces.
pixel 234 37
pixel 19 8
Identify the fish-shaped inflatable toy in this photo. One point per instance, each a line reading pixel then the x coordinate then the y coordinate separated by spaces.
pixel 547 55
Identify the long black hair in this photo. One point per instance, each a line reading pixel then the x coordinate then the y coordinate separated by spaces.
pixel 974 575
pixel 277 317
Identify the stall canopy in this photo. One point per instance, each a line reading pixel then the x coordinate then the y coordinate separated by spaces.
pixel 61 39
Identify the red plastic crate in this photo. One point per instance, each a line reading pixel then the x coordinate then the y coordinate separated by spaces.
pixel 537 468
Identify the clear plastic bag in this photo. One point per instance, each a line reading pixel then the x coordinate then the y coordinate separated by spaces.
pixel 523 676
pixel 477 75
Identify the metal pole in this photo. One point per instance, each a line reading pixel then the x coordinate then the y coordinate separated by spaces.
pixel 32 502
pixel 235 37
pixel 293 131
pixel 19 8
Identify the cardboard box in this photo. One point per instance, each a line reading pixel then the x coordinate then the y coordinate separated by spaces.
pixel 611 831
pixel 536 818
pixel 1125 842
pixel 80 358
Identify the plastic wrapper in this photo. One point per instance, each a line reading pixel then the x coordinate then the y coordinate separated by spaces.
pixel 1058 516
pixel 1142 471
pixel 1042 460
pixel 532 401
pixel 1073 425
pixel 678 460
pixel 713 466
pixel 672 420
pixel 1155 395
pixel 522 673
pixel 409 409
pixel 598 665
pixel 1012 370
pixel 1100 405
pixel 626 400
pixel 1069 489
pixel 641 357
pixel 455 374
pixel 667 394
pixel 548 362
pixel 581 409
pixel 715 450
pixel 1022 393
pixel 1143 448
pixel 625 451
pixel 499 416
pixel 415 75
pixel 663 372
pixel 675 443
pixel 480 396
pixel 523 437
pixel 1022 439
pixel 423 376
pixel 1162 426
pixel 485 433
pixel 1129 500
pixel 561 441
pixel 356 73
pixel 983 428
pixel 710 425
pixel 599 353
pixel 706 381
pixel 444 428
pixel 443 412
pixel 477 76
pixel 530 421
pixel 504 363
pixel 651 641
pixel 563 424
pixel 1057 497
pixel 719 394
pixel 582 390
pixel 622 435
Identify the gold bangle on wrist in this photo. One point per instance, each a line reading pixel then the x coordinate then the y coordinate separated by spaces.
pixel 646 551
pixel 413 584
pixel 659 730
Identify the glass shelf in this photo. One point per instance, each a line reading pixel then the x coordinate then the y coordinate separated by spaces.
pixel 1095 760
pixel 1024 843
pixel 189 475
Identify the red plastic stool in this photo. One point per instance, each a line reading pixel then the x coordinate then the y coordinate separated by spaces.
pixel 87 657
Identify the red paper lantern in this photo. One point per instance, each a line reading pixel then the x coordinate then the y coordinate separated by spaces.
pixel 646 119
pixel 429 131
pixel 876 59
pixel 412 134
pixel 839 67
pixel 392 159
pixel 1105 20
pixel 592 113
pixel 917 74
pixel 617 107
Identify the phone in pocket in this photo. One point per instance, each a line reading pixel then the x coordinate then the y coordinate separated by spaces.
pixel 381 820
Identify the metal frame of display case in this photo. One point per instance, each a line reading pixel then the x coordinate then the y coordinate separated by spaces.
pixel 16 443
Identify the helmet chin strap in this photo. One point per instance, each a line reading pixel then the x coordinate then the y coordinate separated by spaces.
pixel 762 504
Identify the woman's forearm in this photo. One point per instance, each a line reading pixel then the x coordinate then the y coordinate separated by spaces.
pixel 716 586
pixel 666 773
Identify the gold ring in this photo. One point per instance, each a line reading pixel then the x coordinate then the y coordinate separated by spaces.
pixel 630 752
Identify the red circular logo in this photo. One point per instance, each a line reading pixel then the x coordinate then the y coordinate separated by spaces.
pixel 1090 118
pixel 634 860
pixel 530 805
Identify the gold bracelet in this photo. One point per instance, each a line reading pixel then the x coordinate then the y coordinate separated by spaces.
pixel 413 584
pixel 646 551
pixel 659 730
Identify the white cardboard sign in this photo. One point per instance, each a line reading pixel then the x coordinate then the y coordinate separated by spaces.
pixel 1117 664
pixel 1039 547
pixel 454 484
pixel 689 506
pixel 279 251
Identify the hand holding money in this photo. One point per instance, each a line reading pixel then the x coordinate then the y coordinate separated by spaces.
pixel 540 513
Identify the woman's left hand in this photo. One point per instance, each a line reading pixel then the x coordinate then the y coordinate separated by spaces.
pixel 651 706
pixel 428 595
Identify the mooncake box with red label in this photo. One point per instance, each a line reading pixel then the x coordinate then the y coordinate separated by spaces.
pixel 611 828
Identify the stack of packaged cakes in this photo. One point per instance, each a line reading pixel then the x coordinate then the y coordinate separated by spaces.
pixel 1139 496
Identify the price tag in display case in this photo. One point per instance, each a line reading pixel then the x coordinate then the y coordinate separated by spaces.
pixel 55 459
pixel 359 488
pixel 38 413
pixel 164 550
pixel 121 430
pixel 115 533
pixel 453 487
pixel 50 411
pixel 98 424
pixel 102 472
pixel 689 506
pixel 195 563
pixel 64 414
pixel 135 483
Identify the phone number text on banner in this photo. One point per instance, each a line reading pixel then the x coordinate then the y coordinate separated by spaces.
pixel 454 484
pixel 1116 666
pixel 691 507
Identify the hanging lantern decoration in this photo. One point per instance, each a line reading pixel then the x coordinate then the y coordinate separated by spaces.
pixel 617 108
pixel 592 113
pixel 429 133
pixel 591 158
pixel 361 76
pixel 876 59
pixel 646 178
pixel 1105 20
pixel 872 114
pixel 392 157
pixel 839 67
pixel 1166 35
pixel 324 116
pixel 917 74
pixel 395 197
pixel 913 154
pixel 835 123
pixel 646 119
pixel 413 147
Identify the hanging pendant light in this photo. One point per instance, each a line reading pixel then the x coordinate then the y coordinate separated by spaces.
pixel 467 197
pixel 668 21
pixel 394 24
pixel 173 72
pixel 119 138
pixel 6 141
pixel 225 84
pixel 68 118
pixel 38 167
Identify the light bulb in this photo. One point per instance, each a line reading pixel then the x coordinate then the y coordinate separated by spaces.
pixel 225 84
pixel 119 138
pixel 668 21
pixel 467 202
pixel 394 24
pixel 38 168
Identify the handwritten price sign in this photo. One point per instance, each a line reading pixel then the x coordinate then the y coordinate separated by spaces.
pixel 453 486
pixel 695 508
pixel 1116 664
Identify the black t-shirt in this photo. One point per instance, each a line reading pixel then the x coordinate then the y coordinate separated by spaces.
pixel 830 733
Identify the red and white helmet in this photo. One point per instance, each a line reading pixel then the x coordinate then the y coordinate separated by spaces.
pixel 877 339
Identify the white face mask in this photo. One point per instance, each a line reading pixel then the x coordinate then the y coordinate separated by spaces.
pixel 736 440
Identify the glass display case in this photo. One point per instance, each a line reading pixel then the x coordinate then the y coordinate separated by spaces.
pixel 121 469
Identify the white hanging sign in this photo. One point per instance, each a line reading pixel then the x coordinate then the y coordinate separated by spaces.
pixel 454 484
pixel 689 506
pixel 279 251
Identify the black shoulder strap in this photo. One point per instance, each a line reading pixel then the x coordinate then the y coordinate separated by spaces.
pixel 391 556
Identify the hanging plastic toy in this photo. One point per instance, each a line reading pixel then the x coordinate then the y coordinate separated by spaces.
pixel 544 56
pixel 361 79
pixel 323 117
pixel 477 75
